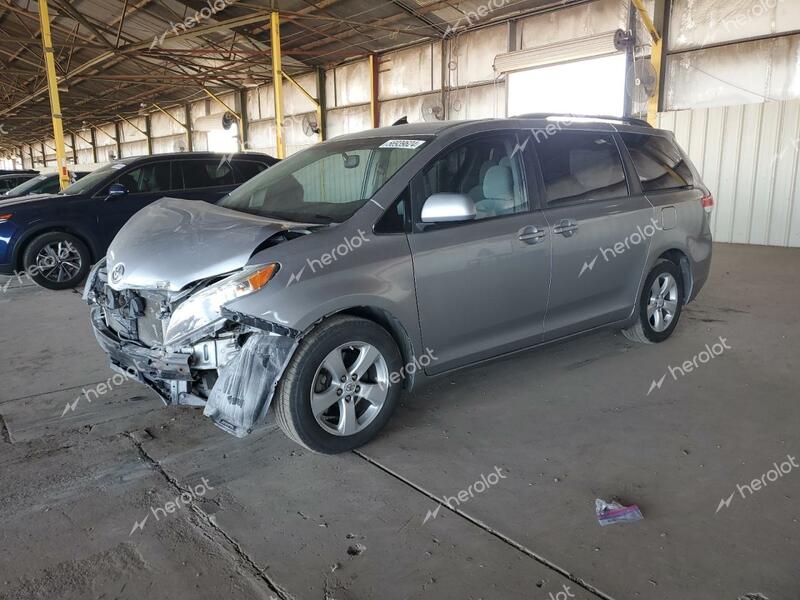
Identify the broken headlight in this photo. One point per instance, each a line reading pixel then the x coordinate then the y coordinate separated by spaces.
pixel 203 308
pixel 90 280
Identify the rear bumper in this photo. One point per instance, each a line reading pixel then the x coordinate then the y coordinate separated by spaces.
pixel 700 267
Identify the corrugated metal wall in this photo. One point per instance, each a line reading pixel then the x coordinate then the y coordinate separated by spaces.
pixel 748 156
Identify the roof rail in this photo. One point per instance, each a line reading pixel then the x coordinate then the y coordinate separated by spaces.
pixel 626 120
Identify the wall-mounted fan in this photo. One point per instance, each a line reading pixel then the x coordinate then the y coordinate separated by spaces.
pixel 641 80
pixel 432 111
pixel 310 125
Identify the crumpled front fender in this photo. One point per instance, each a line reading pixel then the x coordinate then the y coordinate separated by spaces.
pixel 243 392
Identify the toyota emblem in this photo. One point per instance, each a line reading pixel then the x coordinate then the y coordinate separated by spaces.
pixel 117 273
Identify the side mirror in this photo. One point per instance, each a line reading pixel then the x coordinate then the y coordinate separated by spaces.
pixel 117 189
pixel 448 208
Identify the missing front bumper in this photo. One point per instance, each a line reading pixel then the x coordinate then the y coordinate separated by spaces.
pixel 246 375
pixel 242 395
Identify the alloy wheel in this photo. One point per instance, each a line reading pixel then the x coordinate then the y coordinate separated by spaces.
pixel 59 261
pixel 663 303
pixel 349 388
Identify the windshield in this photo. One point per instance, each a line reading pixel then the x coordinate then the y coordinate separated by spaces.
pixel 28 186
pixel 85 184
pixel 326 183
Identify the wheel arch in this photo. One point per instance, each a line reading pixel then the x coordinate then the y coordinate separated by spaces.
pixel 29 236
pixel 392 325
pixel 680 258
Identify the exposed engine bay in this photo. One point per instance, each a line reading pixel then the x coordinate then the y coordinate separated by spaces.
pixel 225 361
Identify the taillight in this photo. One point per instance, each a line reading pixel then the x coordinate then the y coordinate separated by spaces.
pixel 708 202
pixel 6 217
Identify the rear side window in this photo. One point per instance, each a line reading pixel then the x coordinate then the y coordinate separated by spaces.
pixel 50 187
pixel 246 169
pixel 660 164
pixel 204 173
pixel 580 165
pixel 149 178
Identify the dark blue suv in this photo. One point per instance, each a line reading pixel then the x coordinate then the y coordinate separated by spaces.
pixel 54 239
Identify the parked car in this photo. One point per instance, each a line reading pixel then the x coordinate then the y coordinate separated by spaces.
pixel 40 184
pixel 56 238
pixel 371 262
pixel 12 180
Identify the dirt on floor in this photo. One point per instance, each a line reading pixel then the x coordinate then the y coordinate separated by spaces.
pixel 482 486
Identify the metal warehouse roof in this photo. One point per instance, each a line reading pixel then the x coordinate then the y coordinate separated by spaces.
pixel 113 55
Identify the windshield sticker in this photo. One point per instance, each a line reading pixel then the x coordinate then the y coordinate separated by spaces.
pixel 407 144
pixel 118 166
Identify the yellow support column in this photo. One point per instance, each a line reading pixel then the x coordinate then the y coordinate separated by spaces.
pixel 277 81
pixel 55 102
pixel 655 58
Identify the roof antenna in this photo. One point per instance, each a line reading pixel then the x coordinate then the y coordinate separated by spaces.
pixel 401 121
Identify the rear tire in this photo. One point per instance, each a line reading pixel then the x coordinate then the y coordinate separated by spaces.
pixel 660 305
pixel 337 392
pixel 57 260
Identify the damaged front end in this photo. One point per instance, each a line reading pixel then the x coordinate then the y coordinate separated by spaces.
pixel 190 349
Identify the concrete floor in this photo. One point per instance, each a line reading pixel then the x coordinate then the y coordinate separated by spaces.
pixel 564 424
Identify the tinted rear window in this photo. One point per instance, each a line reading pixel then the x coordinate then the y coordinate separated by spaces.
pixel 246 169
pixel 580 165
pixel 204 173
pixel 659 162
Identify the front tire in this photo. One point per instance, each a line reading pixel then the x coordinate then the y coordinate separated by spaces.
pixel 57 260
pixel 660 305
pixel 340 387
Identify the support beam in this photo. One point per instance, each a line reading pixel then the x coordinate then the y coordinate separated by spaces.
pixel 656 53
pixel 55 102
pixel 277 82
pixel 187 109
pixel 186 125
pixel 374 102
pixel 244 122
pixel 94 144
pixel 118 135
pixel 314 101
pixel 321 105
pixel 74 149
pixel 663 10
pixel 148 130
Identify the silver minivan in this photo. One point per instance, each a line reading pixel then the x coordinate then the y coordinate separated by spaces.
pixel 363 265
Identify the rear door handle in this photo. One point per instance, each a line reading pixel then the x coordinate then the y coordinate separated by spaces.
pixel 566 227
pixel 531 234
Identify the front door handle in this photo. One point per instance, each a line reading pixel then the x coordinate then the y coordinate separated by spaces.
pixel 566 227
pixel 531 234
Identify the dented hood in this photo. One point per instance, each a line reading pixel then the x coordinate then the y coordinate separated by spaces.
pixel 173 242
